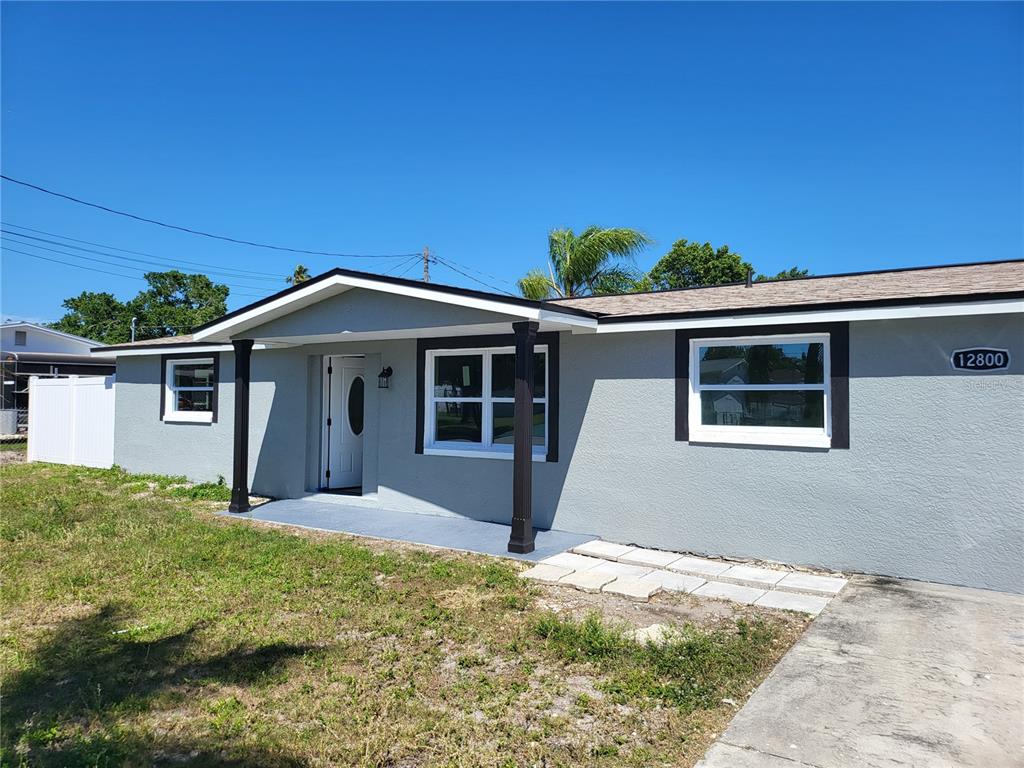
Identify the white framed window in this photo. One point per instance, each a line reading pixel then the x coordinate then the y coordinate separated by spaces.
pixel 761 390
pixel 190 386
pixel 470 402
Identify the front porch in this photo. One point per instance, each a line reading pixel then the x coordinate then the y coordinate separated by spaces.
pixel 458 533
pixel 465 379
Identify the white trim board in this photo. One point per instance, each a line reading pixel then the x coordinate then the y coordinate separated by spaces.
pixel 911 311
pixel 167 349
pixel 991 307
pixel 439 331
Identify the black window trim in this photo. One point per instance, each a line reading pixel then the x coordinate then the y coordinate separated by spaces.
pixel 839 352
pixel 548 338
pixel 164 359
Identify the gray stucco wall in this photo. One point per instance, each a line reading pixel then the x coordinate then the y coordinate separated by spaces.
pixel 203 452
pixel 932 486
pixel 358 310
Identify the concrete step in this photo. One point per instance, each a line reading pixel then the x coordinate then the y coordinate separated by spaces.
pixel 726 591
pixel 632 587
pixel 792 601
pixel 751 576
pixel 639 572
pixel 717 570
pixel 811 584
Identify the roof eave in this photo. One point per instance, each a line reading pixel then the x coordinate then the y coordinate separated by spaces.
pixel 810 307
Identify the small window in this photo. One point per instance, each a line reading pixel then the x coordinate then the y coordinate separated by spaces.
pixel 761 390
pixel 470 402
pixel 190 390
pixel 20 338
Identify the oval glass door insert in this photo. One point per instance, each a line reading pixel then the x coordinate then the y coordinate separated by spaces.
pixel 355 406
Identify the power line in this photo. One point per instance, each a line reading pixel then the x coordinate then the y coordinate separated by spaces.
pixel 137 253
pixel 412 263
pixel 214 270
pixel 441 261
pixel 413 260
pixel 8 249
pixel 115 264
pixel 482 274
pixel 70 264
pixel 201 233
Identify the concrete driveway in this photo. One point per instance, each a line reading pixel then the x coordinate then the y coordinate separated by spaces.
pixel 893 673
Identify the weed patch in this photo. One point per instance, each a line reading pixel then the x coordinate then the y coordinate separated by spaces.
pixel 694 669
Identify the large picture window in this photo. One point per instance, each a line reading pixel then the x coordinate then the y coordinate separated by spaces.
pixel 768 390
pixel 190 389
pixel 470 402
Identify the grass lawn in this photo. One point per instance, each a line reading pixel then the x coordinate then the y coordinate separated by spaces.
pixel 139 629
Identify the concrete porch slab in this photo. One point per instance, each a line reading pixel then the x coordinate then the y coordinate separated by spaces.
pixel 458 533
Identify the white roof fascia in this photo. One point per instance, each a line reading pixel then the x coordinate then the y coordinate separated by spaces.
pixel 993 307
pixel 280 306
pixel 578 323
pixel 168 349
pixel 996 307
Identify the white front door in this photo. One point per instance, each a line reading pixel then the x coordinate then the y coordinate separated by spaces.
pixel 346 389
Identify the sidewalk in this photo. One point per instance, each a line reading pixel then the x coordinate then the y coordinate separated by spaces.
pixel 891 674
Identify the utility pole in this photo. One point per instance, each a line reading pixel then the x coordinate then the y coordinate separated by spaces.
pixel 134 320
pixel 426 264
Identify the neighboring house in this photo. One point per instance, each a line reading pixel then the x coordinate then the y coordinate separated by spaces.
pixel 27 349
pixel 844 434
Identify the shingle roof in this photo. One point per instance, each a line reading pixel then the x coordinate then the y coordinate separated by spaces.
pixel 969 281
pixel 161 342
pixel 989 280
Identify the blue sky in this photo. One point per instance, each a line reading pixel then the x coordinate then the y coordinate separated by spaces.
pixel 836 137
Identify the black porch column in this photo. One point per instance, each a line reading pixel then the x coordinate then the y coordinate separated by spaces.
pixel 521 540
pixel 240 472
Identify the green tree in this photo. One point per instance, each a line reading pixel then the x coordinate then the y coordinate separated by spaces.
pixel 595 261
pixel 98 316
pixel 688 265
pixel 174 303
pixel 693 264
pixel 787 274
pixel 300 275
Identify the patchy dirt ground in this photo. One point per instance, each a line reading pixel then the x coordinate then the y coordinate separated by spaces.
pixel 664 608
pixel 12 453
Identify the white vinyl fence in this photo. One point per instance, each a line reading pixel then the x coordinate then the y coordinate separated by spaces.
pixel 71 420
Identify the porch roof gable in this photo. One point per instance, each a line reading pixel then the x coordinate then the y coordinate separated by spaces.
pixel 339 280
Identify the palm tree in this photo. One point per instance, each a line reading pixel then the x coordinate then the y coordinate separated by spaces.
pixel 587 263
pixel 300 275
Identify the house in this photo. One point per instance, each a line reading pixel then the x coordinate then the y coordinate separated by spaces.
pixel 28 349
pixel 871 422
